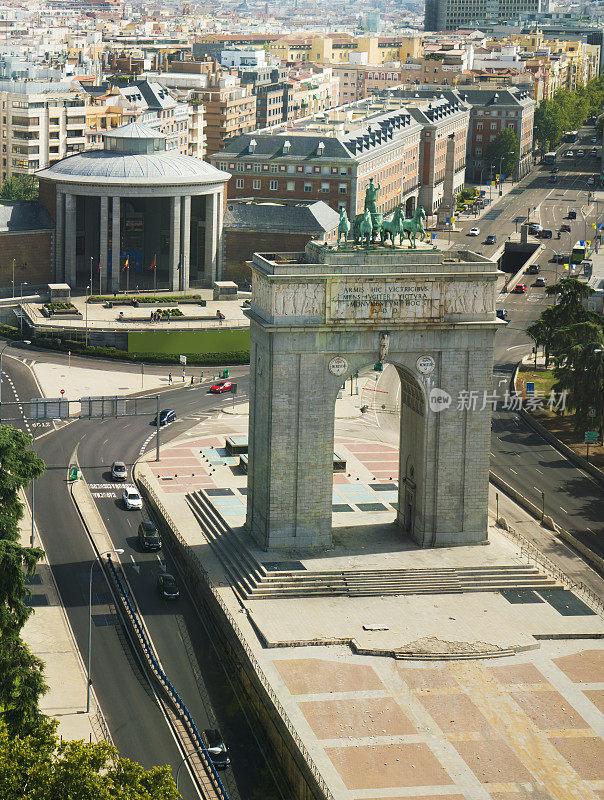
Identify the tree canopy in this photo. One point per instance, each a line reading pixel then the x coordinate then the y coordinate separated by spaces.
pixel 504 150
pixel 39 766
pixel 20 188
pixel 567 111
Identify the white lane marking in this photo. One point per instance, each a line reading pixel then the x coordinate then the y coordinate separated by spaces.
pixel 514 471
pixel 161 563
pixel 134 564
pixel 563 509
pixel 589 529
pixel 539 471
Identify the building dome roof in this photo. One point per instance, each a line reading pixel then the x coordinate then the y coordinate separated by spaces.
pixel 103 166
pixel 134 130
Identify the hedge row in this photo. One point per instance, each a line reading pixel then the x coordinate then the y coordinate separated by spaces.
pixel 160 298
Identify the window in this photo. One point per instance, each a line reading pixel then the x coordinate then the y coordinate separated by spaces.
pixel 291 185
pixel 273 185
pixel 493 126
pixel 307 186
pixel 342 188
pixel 239 183
pixel 343 170
pixel 274 167
pixel 256 183
pixel 240 166
pixel 257 167
pixel 479 137
pixel 325 187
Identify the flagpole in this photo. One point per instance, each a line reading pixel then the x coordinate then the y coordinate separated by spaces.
pixel 155 272
pixel 127 275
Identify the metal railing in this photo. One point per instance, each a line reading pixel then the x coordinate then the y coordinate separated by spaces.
pixel 242 641
pixel 532 553
pixel 166 685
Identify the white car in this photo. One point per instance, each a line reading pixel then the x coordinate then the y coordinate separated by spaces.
pixel 474 232
pixel 132 499
pixel 569 154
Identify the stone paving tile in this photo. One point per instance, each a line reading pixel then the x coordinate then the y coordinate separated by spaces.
pixel 317 676
pixel 516 674
pixel 584 667
pixel 388 766
pixel 584 754
pixel 356 718
pixel 597 698
pixel 549 710
pixel 455 713
pixel 427 677
pixel 493 762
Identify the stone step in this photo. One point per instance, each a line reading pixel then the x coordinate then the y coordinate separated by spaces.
pixel 460 656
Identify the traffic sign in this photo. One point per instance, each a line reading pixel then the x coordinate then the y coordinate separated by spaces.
pixel 62 392
pixel 591 437
pixel 448 220
pixel 482 192
pixel 591 412
pixel 183 360
pixel 593 225
pixel 434 236
pixel 530 388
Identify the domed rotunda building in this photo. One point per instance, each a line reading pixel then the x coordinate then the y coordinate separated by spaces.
pixel 135 214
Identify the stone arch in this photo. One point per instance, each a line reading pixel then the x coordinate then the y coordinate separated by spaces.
pixel 409 207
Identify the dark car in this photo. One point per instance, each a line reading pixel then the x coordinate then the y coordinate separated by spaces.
pixel 148 535
pixel 565 228
pixel 533 269
pixel 491 239
pixel 502 314
pixel 119 471
pixel 572 214
pixel 217 749
pixel 560 258
pixel 540 281
pixel 546 233
pixel 165 417
pixel 167 586
pixel 553 178
pixel 555 170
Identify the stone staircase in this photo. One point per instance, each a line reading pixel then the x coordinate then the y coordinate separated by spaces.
pixel 251 580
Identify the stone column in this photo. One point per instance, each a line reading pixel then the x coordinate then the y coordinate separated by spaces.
pixel 115 245
pixel 104 243
pixel 219 248
pixel 174 243
pixel 210 264
pixel 60 239
pixel 185 267
pixel 70 239
pixel 446 208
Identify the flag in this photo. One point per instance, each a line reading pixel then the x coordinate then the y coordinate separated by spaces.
pixel 99 264
pixel 178 267
pixel 152 265
pixel 125 267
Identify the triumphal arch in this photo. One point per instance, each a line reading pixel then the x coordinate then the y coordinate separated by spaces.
pixel 318 316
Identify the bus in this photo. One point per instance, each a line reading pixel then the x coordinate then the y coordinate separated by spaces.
pixel 579 252
pixel 549 158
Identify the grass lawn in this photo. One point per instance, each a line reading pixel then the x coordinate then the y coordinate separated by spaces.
pixel 559 426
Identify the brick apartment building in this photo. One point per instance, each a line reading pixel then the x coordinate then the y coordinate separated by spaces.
pixel 400 147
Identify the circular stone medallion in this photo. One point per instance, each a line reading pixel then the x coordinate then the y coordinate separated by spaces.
pixel 338 365
pixel 425 365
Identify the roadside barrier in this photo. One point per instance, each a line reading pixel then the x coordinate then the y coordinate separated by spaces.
pixel 166 686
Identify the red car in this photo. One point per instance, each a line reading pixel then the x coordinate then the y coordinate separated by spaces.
pixel 223 386
pixel 564 228
pixel 520 288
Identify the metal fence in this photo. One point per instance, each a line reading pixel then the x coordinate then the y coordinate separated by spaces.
pixel 242 641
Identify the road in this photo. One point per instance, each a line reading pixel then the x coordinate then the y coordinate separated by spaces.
pixel 184 639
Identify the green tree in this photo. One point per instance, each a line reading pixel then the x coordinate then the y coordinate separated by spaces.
pixel 579 371
pixel 548 125
pixel 542 331
pixel 20 188
pixel 570 308
pixel 40 767
pixel 21 686
pixel 504 151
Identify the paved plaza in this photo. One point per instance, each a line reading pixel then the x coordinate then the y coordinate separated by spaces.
pixel 426 724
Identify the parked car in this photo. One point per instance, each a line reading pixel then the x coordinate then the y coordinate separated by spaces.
pixel 520 288
pixel 221 387
pixel 132 499
pixel 168 587
pixel 533 269
pixel 148 535
pixel 119 471
pixel 546 233
pixel 502 314
pixel 166 416
pixel 540 281
pixel 594 151
pixel 216 747
pixel 491 239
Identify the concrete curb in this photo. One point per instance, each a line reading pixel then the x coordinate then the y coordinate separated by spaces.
pixel 522 501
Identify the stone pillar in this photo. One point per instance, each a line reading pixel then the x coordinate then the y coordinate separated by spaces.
pixel 115 245
pixel 104 243
pixel 210 264
pixel 174 243
pixel 60 239
pixel 70 239
pixel 219 243
pixel 185 267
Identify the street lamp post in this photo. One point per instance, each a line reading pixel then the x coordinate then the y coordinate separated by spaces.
pixel 186 758
pixel 13 281
pixel 23 283
pixel 107 553
pixel 86 312
pixel 6 344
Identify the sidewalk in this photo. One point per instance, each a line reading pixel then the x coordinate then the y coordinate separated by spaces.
pixel 49 635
